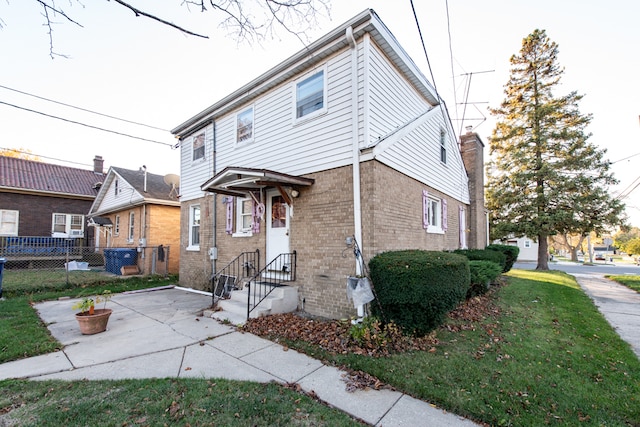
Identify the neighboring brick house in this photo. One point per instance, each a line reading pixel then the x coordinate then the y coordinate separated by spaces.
pixel 46 203
pixel 139 210
pixel 345 139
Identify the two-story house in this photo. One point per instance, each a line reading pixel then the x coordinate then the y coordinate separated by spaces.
pixel 344 141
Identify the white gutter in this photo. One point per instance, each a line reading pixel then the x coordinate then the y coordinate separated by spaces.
pixel 357 209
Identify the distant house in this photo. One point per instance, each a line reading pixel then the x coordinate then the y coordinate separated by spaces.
pixel 528 248
pixel 43 204
pixel 344 143
pixel 136 209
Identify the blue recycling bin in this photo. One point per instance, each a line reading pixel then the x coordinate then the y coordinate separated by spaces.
pixel 2 261
pixel 109 261
pixel 122 257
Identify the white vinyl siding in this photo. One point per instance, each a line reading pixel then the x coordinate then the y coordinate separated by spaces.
pixel 193 175
pixel 321 143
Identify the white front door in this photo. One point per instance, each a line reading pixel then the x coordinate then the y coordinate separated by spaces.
pixel 277 219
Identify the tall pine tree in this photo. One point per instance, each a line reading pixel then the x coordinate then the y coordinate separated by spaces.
pixel 545 177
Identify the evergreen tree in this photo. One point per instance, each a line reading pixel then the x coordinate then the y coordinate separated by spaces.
pixel 545 177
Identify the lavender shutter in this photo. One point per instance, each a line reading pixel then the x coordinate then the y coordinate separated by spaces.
pixel 230 203
pixel 425 209
pixel 444 215
pixel 461 221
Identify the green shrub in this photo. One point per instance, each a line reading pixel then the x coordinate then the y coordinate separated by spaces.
pixel 482 274
pixel 510 252
pixel 416 289
pixel 484 255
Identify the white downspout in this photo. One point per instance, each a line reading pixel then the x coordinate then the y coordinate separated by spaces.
pixel 357 210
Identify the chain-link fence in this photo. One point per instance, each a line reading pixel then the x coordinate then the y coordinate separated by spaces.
pixel 40 262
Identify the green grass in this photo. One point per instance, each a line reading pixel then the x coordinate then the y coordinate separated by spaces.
pixel 631 282
pixel 550 358
pixel 158 402
pixel 23 334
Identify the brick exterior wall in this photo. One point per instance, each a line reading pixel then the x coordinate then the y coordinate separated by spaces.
pixel 195 265
pixel 162 227
pixel 36 212
pixel 473 157
pixel 322 220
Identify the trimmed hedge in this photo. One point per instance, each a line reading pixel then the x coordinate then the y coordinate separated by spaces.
pixel 484 255
pixel 416 289
pixel 510 252
pixel 482 273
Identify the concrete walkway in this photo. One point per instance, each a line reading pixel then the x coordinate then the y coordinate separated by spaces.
pixel 161 334
pixel 618 304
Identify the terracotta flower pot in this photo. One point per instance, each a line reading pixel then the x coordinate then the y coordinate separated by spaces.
pixel 93 323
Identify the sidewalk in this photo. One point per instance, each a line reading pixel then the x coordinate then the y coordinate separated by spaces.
pixel 161 333
pixel 618 304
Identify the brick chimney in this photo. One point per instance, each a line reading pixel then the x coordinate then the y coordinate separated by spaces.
pixel 98 164
pixel 471 147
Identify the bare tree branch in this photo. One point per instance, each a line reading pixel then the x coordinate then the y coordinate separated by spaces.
pixel 48 23
pixel 246 20
pixel 139 12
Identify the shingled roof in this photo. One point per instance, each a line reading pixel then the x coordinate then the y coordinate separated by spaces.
pixel 156 187
pixel 31 176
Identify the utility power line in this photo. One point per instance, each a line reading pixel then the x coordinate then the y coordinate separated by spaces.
pixel 87 125
pixel 82 109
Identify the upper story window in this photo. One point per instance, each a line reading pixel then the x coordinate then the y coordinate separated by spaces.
pixel 194 227
pixel 67 225
pixel 443 146
pixel 9 222
pixel 116 190
pixel 311 94
pixel 132 218
pixel 198 147
pixel 244 125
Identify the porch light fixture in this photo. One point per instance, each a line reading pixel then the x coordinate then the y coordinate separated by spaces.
pixel 295 193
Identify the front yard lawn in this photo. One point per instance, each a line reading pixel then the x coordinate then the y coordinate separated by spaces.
pixel 631 282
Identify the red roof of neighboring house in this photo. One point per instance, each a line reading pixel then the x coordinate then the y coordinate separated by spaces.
pixel 29 175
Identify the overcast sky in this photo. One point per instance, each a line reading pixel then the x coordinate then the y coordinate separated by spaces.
pixel 142 71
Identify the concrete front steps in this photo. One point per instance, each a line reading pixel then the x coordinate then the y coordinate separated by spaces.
pixel 283 299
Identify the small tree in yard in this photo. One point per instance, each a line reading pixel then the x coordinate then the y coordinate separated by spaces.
pixel 545 177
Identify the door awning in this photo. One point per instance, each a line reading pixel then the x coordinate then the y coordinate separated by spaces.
pixel 235 181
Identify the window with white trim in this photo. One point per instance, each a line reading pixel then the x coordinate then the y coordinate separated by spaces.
pixel 9 222
pixel 527 244
pixel 116 226
pixel 311 95
pixel 132 220
pixel 198 147
pixel 67 225
pixel 116 190
pixel 244 216
pixel 435 214
pixel 443 146
pixel 194 227
pixel 244 125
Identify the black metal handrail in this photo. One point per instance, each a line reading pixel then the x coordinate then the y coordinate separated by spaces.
pixel 280 270
pixel 241 268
